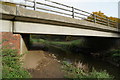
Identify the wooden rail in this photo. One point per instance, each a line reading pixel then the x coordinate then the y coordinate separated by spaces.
pixel 69 11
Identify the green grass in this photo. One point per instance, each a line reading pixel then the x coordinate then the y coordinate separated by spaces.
pixel 75 73
pixel 56 42
pixel 12 66
pixel 63 45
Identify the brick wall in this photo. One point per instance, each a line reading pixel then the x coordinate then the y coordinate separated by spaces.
pixel 10 40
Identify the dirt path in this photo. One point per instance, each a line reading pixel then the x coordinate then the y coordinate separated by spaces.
pixel 42 64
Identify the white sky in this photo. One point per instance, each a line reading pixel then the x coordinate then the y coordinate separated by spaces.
pixel 109 7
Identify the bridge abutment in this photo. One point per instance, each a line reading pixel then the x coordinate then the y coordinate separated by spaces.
pixel 10 40
pixel 25 43
pixel 20 42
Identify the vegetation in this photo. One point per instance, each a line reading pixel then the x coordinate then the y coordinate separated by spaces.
pixel 8 3
pixel 54 37
pixel 104 18
pixel 75 73
pixel 99 13
pixel 114 55
pixel 75 42
pixel 62 45
pixel 12 66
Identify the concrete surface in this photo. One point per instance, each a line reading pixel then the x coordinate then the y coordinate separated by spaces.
pixel 22 14
pixel 36 28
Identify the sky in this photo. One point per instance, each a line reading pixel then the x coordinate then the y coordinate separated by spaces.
pixel 108 7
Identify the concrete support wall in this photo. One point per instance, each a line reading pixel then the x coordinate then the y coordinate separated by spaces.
pixel 25 43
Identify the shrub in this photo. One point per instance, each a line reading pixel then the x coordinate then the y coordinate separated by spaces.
pixel 114 55
pixel 12 65
pixel 75 73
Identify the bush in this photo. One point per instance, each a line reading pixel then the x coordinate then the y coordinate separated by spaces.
pixel 75 73
pixel 114 55
pixel 12 65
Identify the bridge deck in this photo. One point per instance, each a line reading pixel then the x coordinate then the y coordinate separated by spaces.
pixel 81 27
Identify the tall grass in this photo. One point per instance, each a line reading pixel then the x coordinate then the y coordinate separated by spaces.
pixel 114 55
pixel 75 73
pixel 12 66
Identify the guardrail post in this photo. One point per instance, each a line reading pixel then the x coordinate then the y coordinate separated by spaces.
pixel 108 22
pixel 117 25
pixel 73 12
pixel 94 18
pixel 25 3
pixel 34 4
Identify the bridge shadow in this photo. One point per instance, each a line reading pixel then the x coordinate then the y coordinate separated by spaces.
pixel 83 55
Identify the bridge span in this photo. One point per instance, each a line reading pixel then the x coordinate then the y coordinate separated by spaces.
pixel 19 20
pixel 36 22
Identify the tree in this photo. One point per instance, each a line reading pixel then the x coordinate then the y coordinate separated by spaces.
pixel 7 3
pixel 101 18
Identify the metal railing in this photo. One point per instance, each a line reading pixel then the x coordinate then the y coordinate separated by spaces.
pixel 68 11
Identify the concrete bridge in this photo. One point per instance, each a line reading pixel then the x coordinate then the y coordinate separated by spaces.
pixel 18 23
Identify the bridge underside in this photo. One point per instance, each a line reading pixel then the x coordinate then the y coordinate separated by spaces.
pixel 39 28
pixel 24 29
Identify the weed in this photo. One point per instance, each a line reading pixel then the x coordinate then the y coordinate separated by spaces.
pixel 12 65
pixel 75 73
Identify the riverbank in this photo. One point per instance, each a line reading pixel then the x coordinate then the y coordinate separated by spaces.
pixel 113 57
pixel 66 50
pixel 42 64
pixel 76 46
pixel 78 72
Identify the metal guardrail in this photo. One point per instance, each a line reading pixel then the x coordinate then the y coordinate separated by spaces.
pixel 69 11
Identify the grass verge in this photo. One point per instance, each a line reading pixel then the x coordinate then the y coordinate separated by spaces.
pixel 12 66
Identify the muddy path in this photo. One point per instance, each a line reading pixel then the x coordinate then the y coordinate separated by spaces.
pixel 42 64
